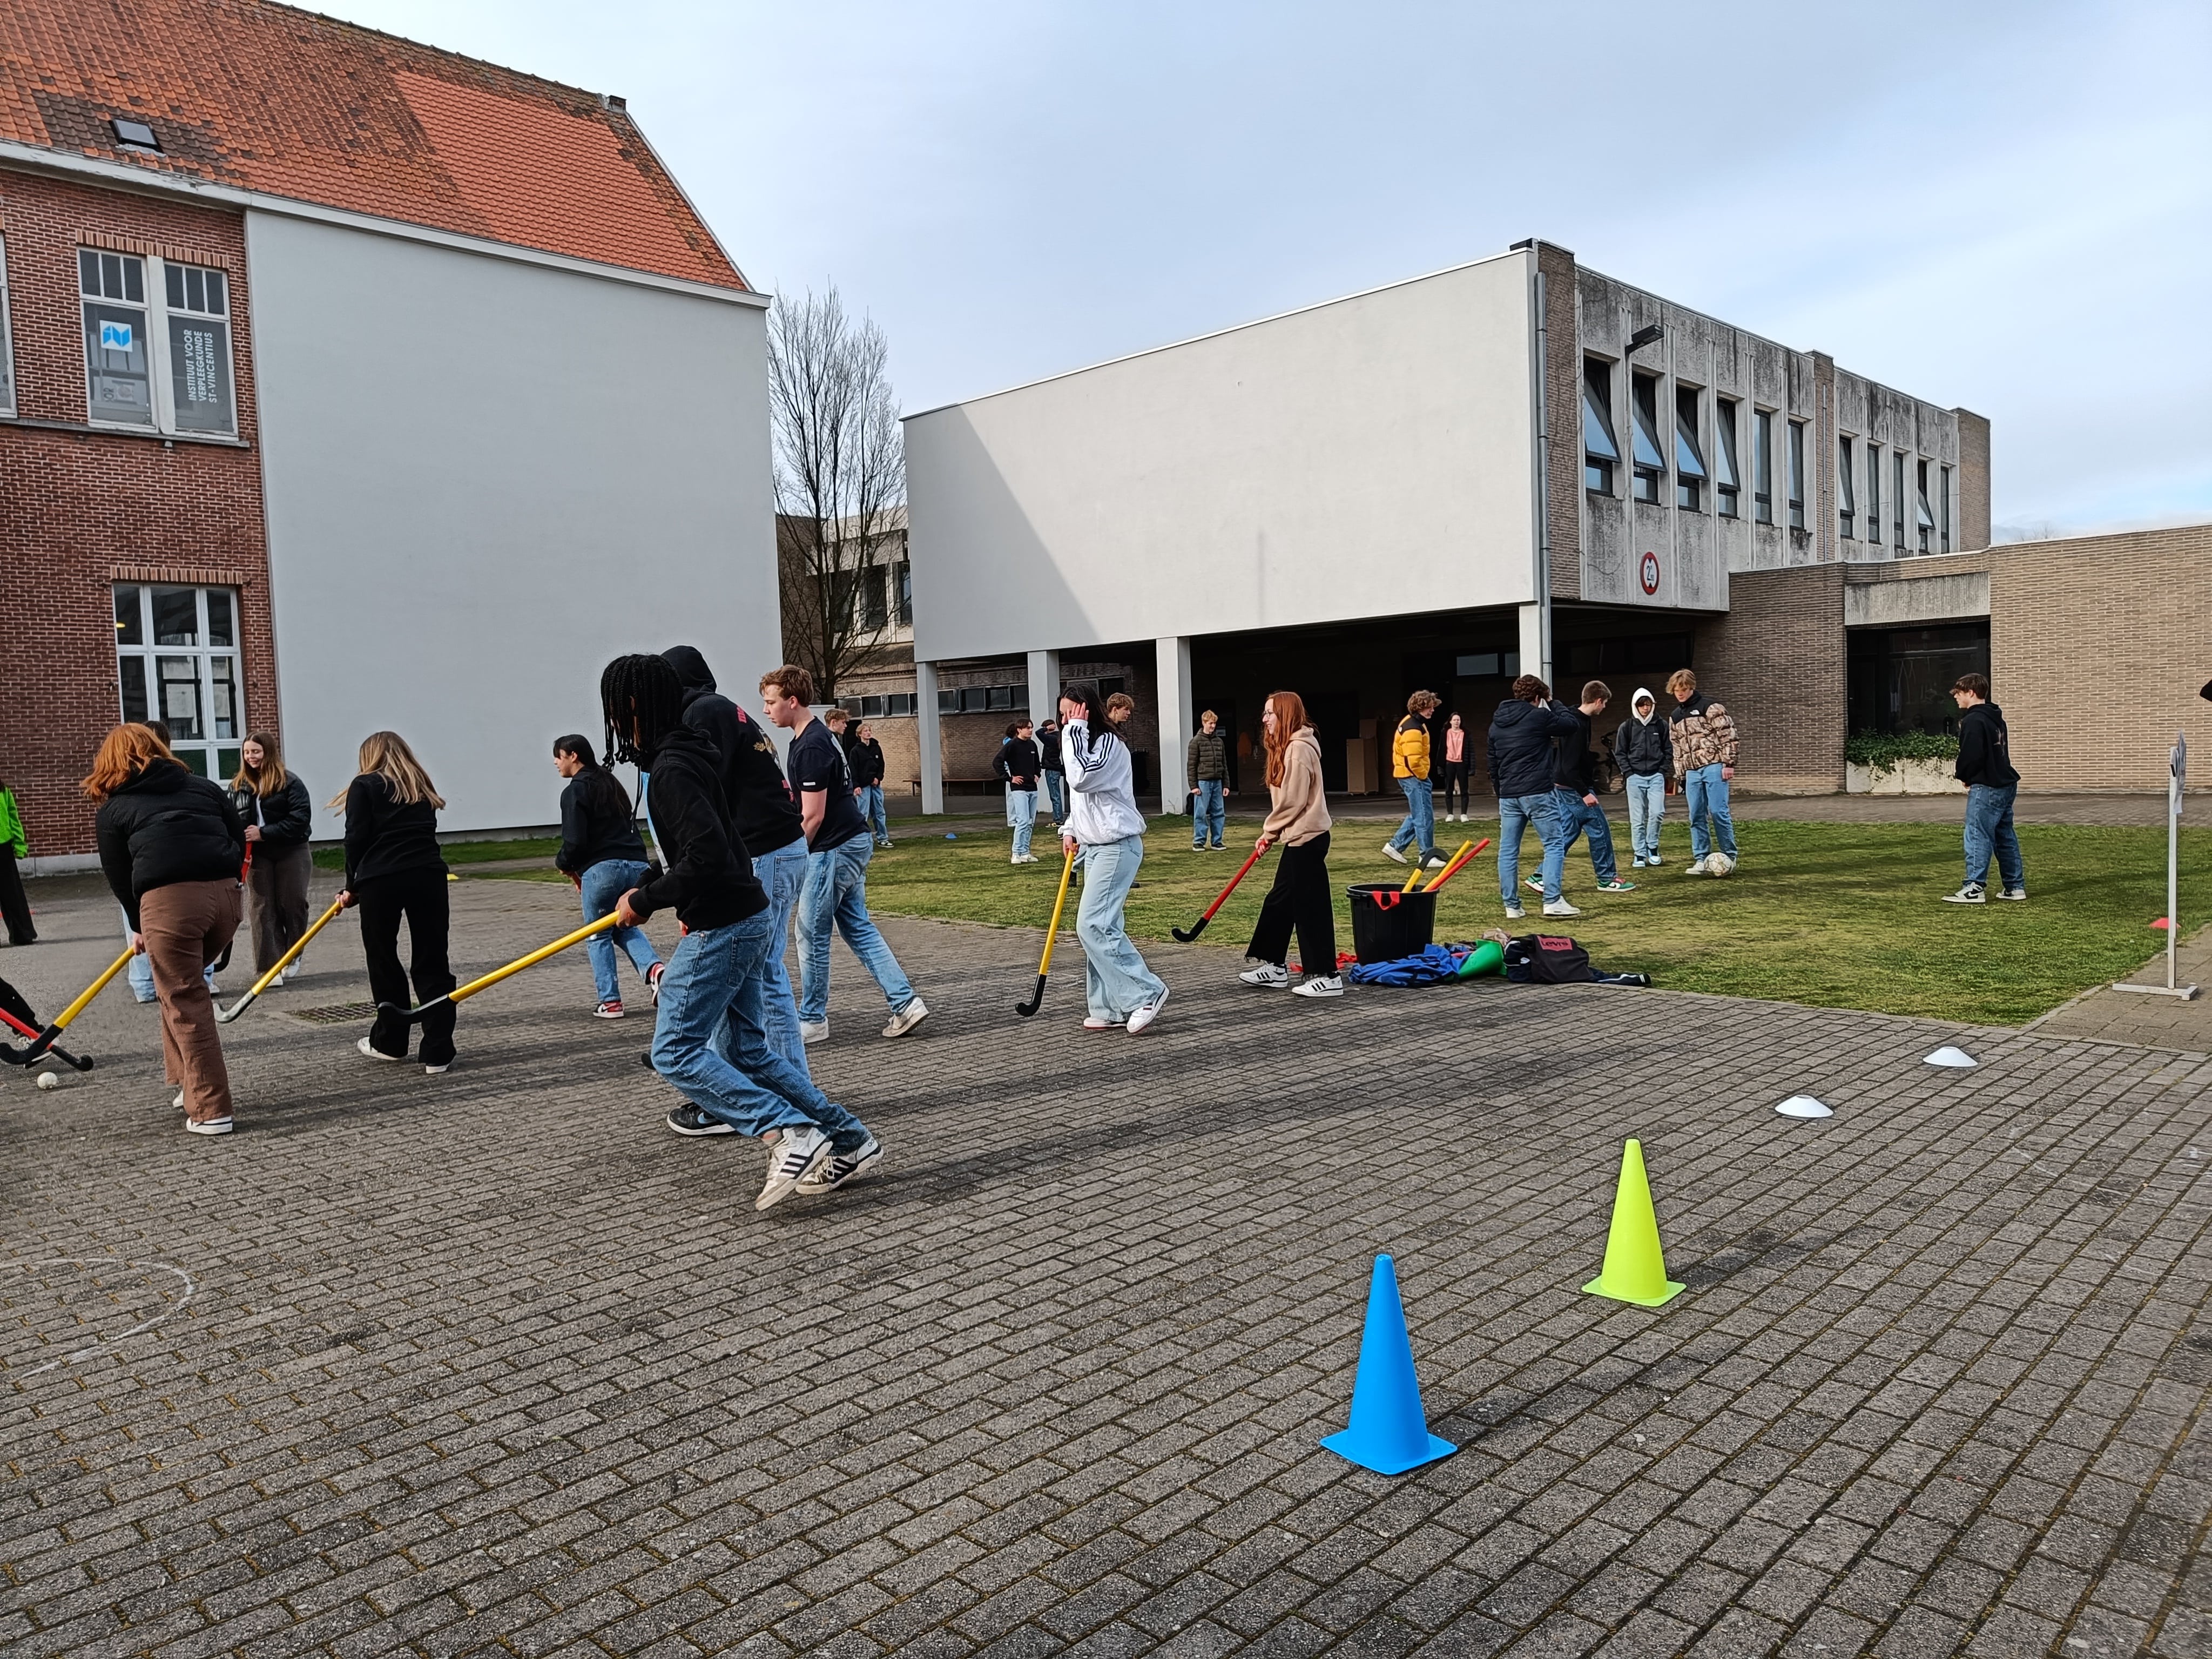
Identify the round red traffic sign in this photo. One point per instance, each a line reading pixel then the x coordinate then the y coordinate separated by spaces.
pixel 1647 572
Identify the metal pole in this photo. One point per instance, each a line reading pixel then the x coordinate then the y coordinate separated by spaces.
pixel 2177 775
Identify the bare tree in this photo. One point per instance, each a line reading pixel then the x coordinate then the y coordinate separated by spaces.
pixel 840 482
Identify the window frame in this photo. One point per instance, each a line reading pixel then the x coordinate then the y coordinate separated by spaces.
pixel 219 754
pixel 1846 487
pixel 1728 470
pixel 1794 458
pixel 1762 465
pixel 1924 518
pixel 1874 493
pixel 1897 498
pixel 160 366
pixel 1945 507
pixel 1643 424
pixel 6 339
pixel 1599 466
pixel 1690 472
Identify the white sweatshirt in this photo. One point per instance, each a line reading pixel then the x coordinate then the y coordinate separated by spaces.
pixel 1102 781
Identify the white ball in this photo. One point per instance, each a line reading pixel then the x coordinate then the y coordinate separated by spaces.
pixel 48 1080
pixel 1720 865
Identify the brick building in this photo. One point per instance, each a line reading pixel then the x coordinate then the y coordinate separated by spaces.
pixel 335 387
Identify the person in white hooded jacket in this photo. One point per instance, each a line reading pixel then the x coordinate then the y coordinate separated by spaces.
pixel 1642 750
pixel 1103 821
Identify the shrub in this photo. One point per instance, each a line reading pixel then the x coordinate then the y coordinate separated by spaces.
pixel 1881 751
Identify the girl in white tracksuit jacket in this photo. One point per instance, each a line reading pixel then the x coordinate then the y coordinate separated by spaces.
pixel 1103 819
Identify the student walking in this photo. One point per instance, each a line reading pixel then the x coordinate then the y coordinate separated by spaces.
pixel 170 845
pixel 763 816
pixel 1297 817
pixel 867 755
pixel 836 896
pixel 1456 760
pixel 1056 775
pixel 602 854
pixel 1105 825
pixel 15 907
pixel 142 966
pixel 710 1037
pixel 1206 776
pixel 395 871
pixel 1019 764
pixel 271 801
pixel 1523 764
pixel 1985 768
pixel 1703 737
pixel 1409 764
pixel 1575 796
pixel 1643 753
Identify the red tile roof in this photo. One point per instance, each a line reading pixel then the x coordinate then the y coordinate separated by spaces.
pixel 287 103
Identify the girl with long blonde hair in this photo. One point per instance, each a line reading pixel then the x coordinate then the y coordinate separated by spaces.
pixel 395 871
pixel 273 802
pixel 1300 899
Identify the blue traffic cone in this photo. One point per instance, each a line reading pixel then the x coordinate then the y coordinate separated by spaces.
pixel 1389 1432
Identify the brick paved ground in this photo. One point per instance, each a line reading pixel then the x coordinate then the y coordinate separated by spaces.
pixel 2157 1022
pixel 491 1363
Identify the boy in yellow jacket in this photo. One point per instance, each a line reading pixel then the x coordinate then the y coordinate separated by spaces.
pixel 1409 764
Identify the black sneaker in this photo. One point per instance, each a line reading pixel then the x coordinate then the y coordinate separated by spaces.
pixel 688 1120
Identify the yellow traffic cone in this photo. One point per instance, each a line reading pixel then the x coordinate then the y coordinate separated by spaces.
pixel 1634 1270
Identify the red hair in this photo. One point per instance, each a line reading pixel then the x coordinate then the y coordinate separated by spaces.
pixel 124 753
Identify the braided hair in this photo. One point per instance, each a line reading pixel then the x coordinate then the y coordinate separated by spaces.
pixel 643 700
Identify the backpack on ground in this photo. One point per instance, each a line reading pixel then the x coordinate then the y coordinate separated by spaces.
pixel 1547 959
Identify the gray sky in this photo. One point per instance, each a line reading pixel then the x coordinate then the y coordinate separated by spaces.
pixel 2002 206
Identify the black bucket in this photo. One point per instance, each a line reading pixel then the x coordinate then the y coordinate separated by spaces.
pixel 1388 924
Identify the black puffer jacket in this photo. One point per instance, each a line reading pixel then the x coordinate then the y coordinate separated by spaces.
pixel 165 826
pixel 284 816
pixel 761 812
pixel 1523 759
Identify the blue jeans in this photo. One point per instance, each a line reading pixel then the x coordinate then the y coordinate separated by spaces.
pixel 1021 813
pixel 1647 806
pixel 1209 812
pixel 1988 828
pixel 1514 814
pixel 1706 792
pixel 715 977
pixel 1420 823
pixel 1116 980
pixel 1056 785
pixel 1579 818
pixel 835 899
pixel 782 873
pixel 604 882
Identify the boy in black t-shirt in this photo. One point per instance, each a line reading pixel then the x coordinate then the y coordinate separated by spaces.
pixel 836 896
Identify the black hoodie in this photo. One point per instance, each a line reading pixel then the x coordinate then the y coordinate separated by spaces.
pixel 1522 757
pixel 708 878
pixel 166 826
pixel 761 812
pixel 1985 748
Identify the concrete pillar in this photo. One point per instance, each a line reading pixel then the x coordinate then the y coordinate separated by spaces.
pixel 1044 685
pixel 1536 641
pixel 932 737
pixel 1176 721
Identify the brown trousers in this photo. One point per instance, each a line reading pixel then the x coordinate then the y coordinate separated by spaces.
pixel 280 900
pixel 185 926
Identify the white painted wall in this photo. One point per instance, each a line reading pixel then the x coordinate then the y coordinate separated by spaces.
pixel 1364 458
pixel 484 479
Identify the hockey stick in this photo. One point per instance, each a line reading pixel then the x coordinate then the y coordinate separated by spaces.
pixel 1045 966
pixel 1223 898
pixel 53 1048
pixel 1456 866
pixel 45 1040
pixel 224 1016
pixel 414 1015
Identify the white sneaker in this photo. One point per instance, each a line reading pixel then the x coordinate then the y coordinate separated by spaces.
pixel 1319 985
pixel 362 1047
pixel 1697 868
pixel 794 1157
pixel 1559 907
pixel 1654 860
pixel 213 1126
pixel 813 1031
pixel 1392 854
pixel 1268 975
pixel 2013 893
pixel 1144 1013
pixel 907 1019
pixel 839 1168
pixel 1971 893
pixel 1093 1022
pixel 178 1102
pixel 1514 913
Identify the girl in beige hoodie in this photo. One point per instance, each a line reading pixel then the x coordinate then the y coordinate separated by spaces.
pixel 1300 899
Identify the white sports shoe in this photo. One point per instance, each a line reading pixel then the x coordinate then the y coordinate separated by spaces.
pixel 794 1157
pixel 1093 1022
pixel 213 1126
pixel 1392 854
pixel 1145 1012
pixel 1319 985
pixel 1697 868
pixel 839 1168
pixel 907 1019
pixel 1561 908
pixel 813 1031
pixel 362 1047
pixel 1268 975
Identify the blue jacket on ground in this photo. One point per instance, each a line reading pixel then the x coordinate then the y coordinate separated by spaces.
pixel 1521 758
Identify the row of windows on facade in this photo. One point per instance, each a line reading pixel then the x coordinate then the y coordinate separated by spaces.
pixel 156 345
pixel 1692 477
pixel 177 661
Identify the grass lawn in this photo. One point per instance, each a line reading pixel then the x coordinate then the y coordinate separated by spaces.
pixel 1842 915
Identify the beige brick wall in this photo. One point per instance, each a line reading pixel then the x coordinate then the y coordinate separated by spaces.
pixel 1973 527
pixel 1777 662
pixel 2098 645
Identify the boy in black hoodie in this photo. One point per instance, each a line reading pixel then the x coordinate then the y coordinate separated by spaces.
pixel 718 971
pixel 1985 768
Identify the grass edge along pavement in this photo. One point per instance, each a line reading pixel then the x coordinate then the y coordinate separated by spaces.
pixel 1837 915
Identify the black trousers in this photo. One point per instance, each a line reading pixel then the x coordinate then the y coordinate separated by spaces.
pixel 419 896
pixel 1455 779
pixel 1300 899
pixel 14 907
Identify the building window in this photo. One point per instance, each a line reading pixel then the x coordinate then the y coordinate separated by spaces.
pixel 176 658
pixel 1897 499
pixel 902 576
pixel 1650 460
pixel 1926 524
pixel 899 702
pixel 973 699
pixel 1844 500
pixel 874 613
pixel 1762 467
pixel 1601 452
pixel 1727 480
pixel 1797 475
pixel 1944 507
pixel 1874 494
pixel 7 345
pixel 1689 459
pixel 170 374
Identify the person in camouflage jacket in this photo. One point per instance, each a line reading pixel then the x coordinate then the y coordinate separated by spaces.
pixel 1703 737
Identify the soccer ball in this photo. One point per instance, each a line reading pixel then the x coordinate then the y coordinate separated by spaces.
pixel 1720 865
